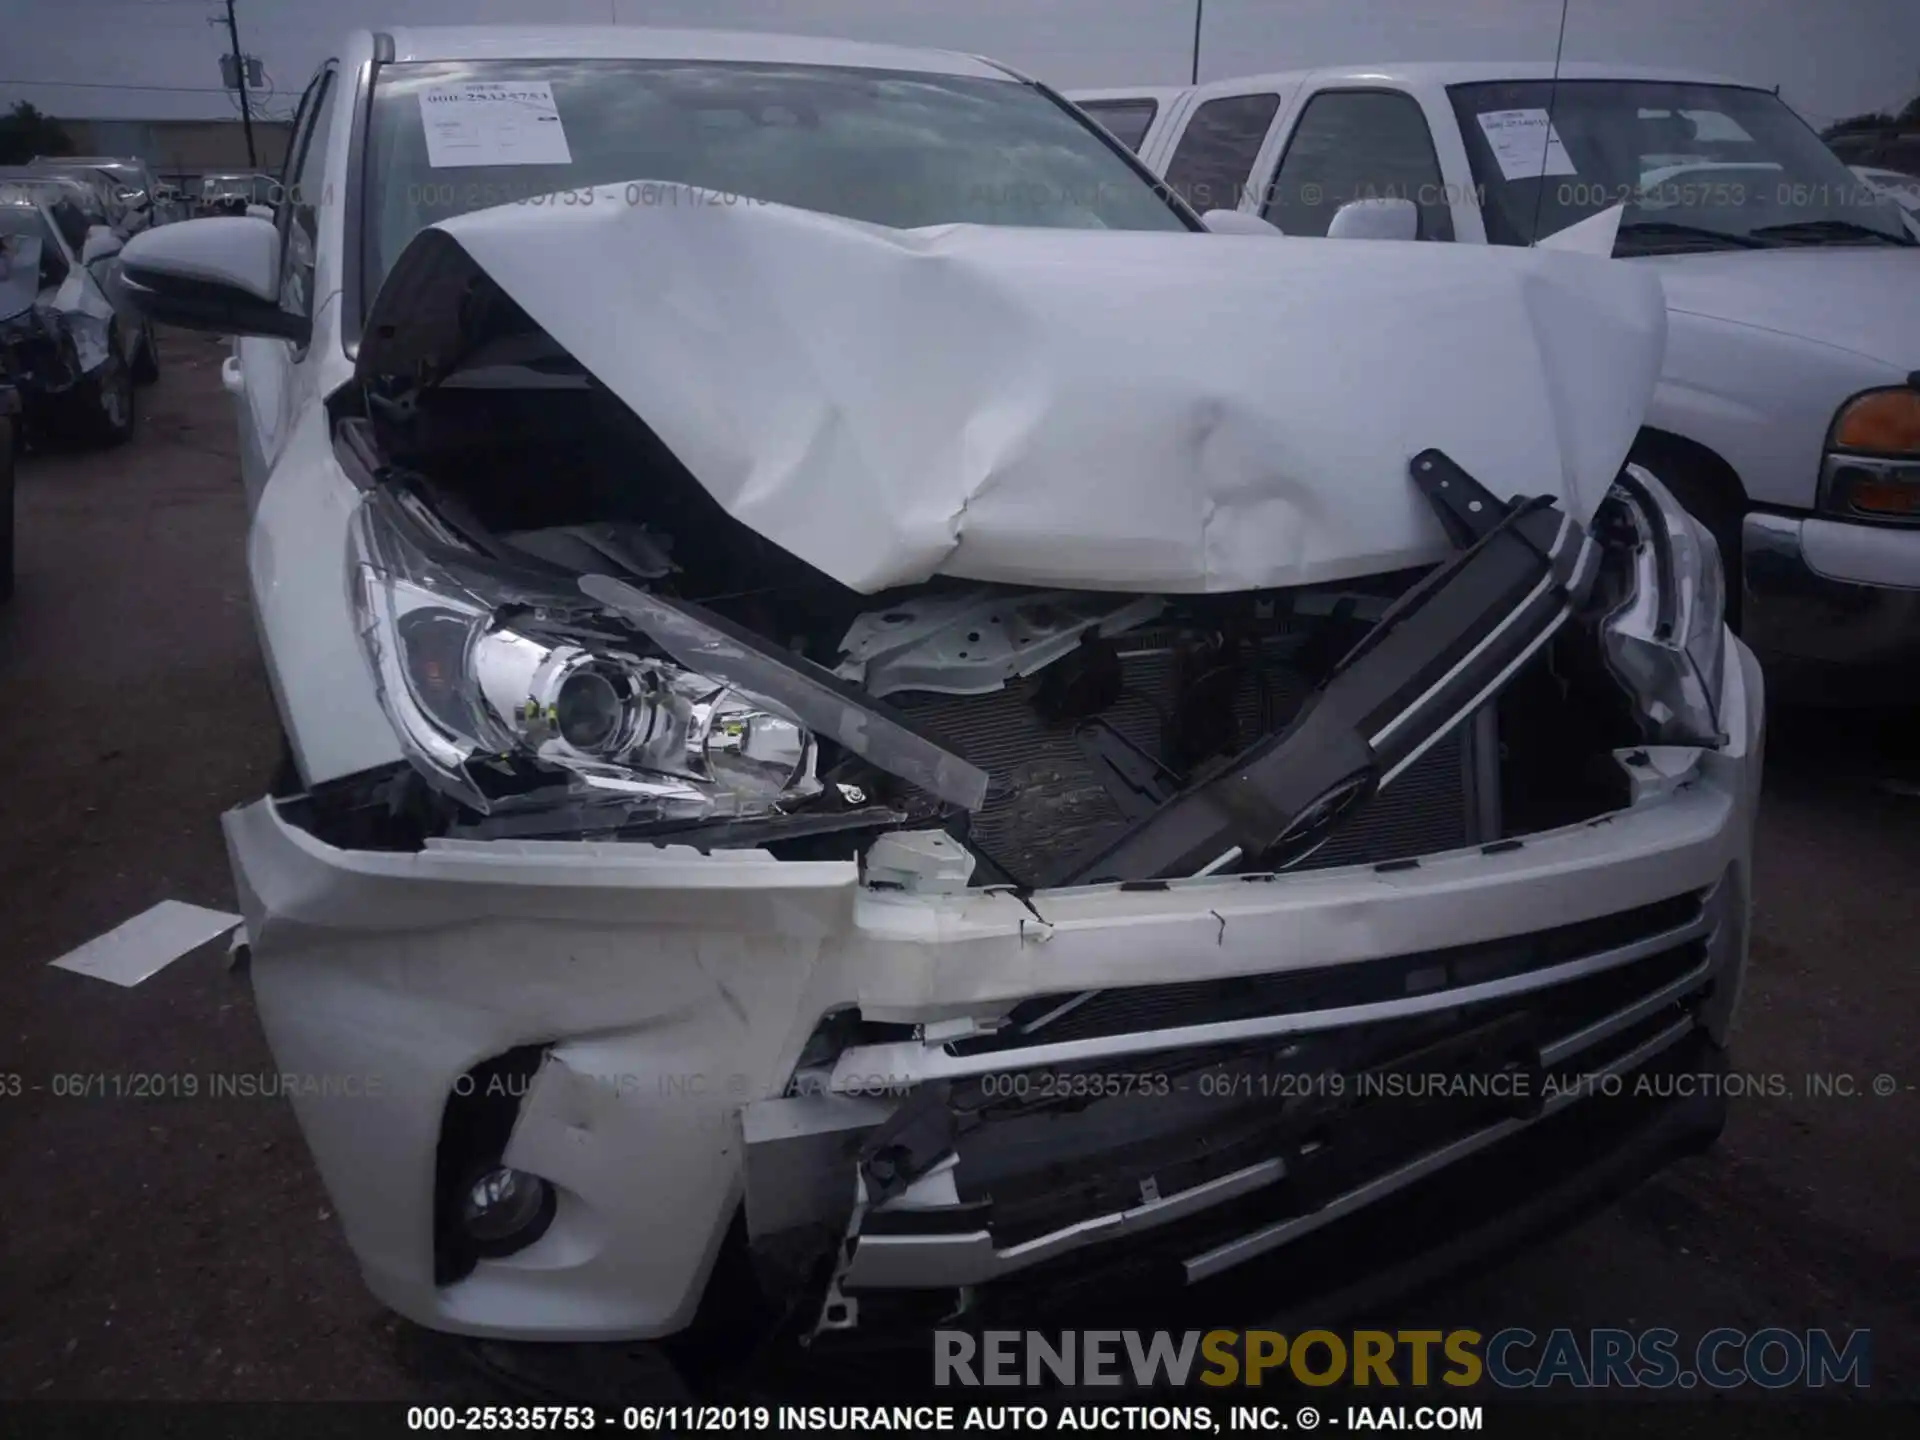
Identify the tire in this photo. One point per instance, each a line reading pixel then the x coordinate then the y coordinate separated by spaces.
pixel 146 360
pixel 7 451
pixel 105 412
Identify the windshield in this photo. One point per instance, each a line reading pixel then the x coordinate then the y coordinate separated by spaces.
pixel 88 189
pixel 20 222
pixel 1697 167
pixel 28 257
pixel 896 148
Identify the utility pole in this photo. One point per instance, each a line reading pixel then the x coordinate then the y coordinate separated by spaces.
pixel 240 74
pixel 1199 9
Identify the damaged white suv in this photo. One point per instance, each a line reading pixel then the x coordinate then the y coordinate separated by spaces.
pixel 866 691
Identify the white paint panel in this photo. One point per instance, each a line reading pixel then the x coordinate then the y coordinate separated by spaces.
pixel 1144 412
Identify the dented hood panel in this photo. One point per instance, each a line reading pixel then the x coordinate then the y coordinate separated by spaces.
pixel 1173 413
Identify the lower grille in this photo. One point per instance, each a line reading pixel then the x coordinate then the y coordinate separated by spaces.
pixel 1337 1108
pixel 1046 804
pixel 1283 1135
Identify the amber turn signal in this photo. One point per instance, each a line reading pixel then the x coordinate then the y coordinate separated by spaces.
pixel 1881 422
pixel 1881 495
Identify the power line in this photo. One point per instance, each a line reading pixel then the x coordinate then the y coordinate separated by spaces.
pixel 104 85
pixel 240 77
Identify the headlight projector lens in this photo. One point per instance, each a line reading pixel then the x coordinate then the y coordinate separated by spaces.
pixel 587 711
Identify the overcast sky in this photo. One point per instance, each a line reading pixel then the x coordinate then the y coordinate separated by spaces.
pixel 1830 57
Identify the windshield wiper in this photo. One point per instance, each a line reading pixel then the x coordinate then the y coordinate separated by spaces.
pixel 1671 229
pixel 1814 232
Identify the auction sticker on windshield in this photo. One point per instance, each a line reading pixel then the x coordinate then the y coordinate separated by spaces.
pixel 1525 143
pixel 493 122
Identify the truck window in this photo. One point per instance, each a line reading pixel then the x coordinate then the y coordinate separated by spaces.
pixel 1697 166
pixel 1126 120
pixel 1214 159
pixel 1358 145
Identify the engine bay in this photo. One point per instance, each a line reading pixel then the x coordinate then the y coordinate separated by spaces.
pixel 1072 719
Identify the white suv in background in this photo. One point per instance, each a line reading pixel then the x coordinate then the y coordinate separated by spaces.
pixel 1788 413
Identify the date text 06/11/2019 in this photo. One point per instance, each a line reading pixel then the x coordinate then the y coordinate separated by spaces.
pixel 935 1419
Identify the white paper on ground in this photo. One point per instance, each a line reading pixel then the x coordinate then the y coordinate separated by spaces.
pixel 1519 138
pixel 493 122
pixel 148 943
pixel 1157 413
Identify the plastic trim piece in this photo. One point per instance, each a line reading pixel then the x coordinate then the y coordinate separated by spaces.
pixel 1437 654
pixel 353 253
pixel 912 1063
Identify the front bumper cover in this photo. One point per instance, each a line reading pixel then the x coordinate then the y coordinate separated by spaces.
pixel 671 991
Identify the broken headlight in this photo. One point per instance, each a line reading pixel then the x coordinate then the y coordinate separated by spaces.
pixel 1664 635
pixel 513 690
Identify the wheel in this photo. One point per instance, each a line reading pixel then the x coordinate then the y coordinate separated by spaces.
pixel 103 403
pixel 146 360
pixel 7 450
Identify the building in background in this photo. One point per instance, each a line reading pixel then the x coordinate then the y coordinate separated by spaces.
pixel 179 149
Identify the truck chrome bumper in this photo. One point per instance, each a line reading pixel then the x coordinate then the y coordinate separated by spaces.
pixel 1831 608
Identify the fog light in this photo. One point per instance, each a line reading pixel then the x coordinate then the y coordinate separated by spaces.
pixel 505 1210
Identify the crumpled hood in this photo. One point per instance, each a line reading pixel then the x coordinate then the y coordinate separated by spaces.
pixel 1172 413
pixel 1863 300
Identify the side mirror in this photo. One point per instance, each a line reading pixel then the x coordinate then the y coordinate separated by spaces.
pixel 220 274
pixel 1238 222
pixel 101 244
pixel 1381 219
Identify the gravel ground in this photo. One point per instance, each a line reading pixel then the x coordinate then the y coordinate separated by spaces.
pixel 183 1248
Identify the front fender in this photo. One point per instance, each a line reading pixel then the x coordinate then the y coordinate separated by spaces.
pixel 297 562
pixel 1759 399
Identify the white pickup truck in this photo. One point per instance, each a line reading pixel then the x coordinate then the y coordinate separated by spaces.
pixel 1788 413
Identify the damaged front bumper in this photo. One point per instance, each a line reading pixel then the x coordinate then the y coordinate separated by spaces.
pixel 629 1023
pixel 39 354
